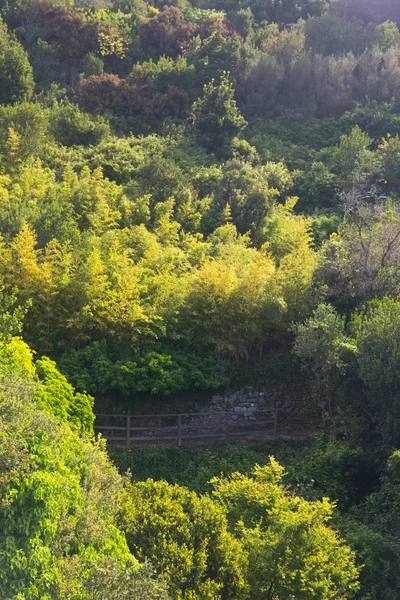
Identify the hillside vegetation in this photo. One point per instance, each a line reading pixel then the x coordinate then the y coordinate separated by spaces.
pixel 199 194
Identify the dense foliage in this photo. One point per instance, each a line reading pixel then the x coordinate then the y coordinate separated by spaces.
pixel 192 195
pixel 169 190
pixel 59 493
pixel 65 512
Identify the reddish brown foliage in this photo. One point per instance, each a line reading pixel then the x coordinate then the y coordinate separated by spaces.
pixel 60 25
pixel 216 23
pixel 71 31
pixel 174 103
pixel 168 33
pixel 101 93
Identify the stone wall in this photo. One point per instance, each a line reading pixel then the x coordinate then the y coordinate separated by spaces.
pixel 288 411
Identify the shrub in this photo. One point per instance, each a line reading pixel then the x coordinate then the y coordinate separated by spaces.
pixel 186 538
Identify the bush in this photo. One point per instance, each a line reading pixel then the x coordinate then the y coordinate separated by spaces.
pixel 59 496
pixel 72 127
pixel 58 397
pixel 185 536
pixel 94 368
pixel 292 550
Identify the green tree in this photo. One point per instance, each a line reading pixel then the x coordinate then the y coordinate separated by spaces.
pixel 216 117
pixel 293 552
pixel 250 192
pixel 72 127
pixel 57 397
pixel 59 497
pixel 317 188
pixel 362 262
pixel 185 537
pixel 352 159
pixel 16 79
pixel 376 331
pixel 330 35
pixel 29 121
pixel 11 313
pixel 386 35
pixel 322 344
pixel 389 155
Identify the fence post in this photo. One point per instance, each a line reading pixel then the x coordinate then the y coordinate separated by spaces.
pixel 128 431
pixel 226 427
pixel 179 430
pixel 275 421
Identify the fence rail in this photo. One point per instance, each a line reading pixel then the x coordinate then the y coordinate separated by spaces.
pixel 186 428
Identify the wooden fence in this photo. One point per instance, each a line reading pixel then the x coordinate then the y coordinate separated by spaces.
pixel 187 428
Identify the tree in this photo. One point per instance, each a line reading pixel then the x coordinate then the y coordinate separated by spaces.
pixel 234 301
pixel 363 260
pixel 57 397
pixel 108 92
pixel 322 344
pixel 374 10
pixel 29 122
pixel 16 78
pixel 351 159
pixel 11 313
pixel 213 56
pixel 386 35
pixel 293 552
pixel 61 26
pixel 324 347
pixel 250 192
pixel 60 37
pixel 216 117
pixel 72 127
pixel 389 155
pixel 104 92
pixel 376 332
pixel 318 188
pixel 59 499
pixel 167 33
pixel 289 240
pixel 185 537
pixel 330 35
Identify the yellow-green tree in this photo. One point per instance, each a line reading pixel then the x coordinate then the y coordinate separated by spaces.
pixel 292 549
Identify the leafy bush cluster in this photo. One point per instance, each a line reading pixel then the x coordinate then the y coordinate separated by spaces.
pixel 59 493
pixel 74 528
